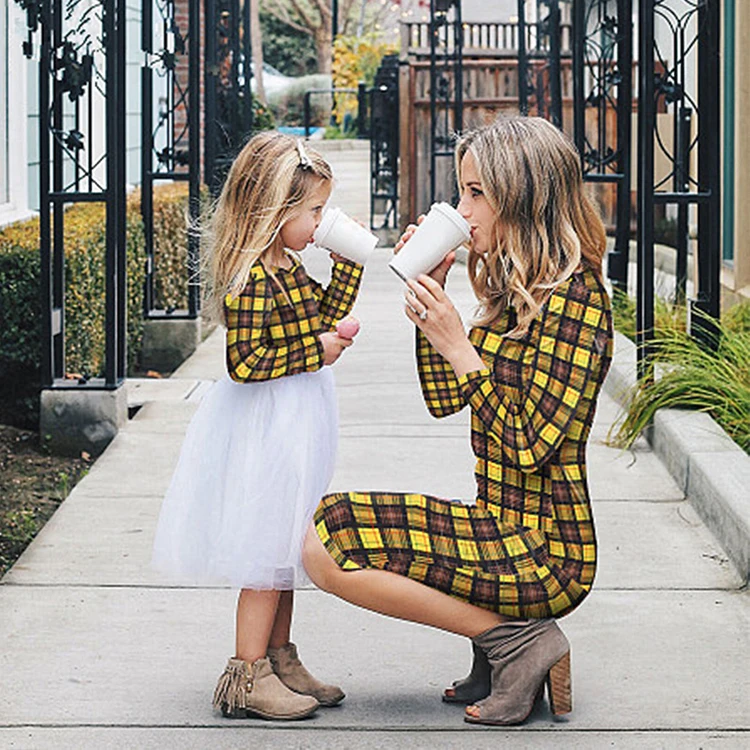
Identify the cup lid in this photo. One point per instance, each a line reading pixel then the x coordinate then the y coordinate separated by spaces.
pixel 450 213
pixel 329 218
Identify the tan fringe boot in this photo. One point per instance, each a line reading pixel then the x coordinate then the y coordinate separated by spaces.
pixel 287 665
pixel 246 690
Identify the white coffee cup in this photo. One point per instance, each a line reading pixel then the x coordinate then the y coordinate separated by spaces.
pixel 341 234
pixel 442 230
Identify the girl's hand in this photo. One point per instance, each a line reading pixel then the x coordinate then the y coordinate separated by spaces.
pixel 335 257
pixel 333 346
pixel 440 272
pixel 431 310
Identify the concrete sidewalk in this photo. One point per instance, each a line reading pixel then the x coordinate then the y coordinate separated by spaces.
pixel 98 650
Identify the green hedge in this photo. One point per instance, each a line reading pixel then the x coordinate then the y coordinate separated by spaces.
pixel 20 305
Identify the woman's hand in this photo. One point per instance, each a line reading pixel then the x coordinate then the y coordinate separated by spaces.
pixel 431 310
pixel 440 272
pixel 333 346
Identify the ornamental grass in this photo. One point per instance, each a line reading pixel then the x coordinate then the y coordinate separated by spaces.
pixel 683 374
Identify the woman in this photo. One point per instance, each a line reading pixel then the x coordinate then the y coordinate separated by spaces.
pixel 501 571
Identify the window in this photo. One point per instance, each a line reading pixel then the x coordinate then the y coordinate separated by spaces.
pixel 4 146
pixel 14 123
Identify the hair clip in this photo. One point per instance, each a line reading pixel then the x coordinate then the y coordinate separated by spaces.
pixel 304 159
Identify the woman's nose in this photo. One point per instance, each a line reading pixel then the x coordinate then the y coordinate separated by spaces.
pixel 463 208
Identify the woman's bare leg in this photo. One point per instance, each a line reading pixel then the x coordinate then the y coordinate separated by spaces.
pixel 394 595
pixel 282 625
pixel 256 615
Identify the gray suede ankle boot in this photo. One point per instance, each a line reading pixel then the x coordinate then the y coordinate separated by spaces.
pixel 522 654
pixel 245 690
pixel 287 665
pixel 476 685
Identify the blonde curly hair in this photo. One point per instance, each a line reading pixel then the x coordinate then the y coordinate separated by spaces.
pixel 545 227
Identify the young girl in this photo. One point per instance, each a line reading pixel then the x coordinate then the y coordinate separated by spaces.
pixel 259 452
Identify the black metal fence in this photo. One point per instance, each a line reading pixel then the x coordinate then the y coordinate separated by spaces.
pixel 228 92
pixel 383 101
pixel 603 85
pixel 81 85
pixel 170 143
pixel 679 43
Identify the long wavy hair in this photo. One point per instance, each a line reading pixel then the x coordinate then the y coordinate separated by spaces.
pixel 545 226
pixel 267 184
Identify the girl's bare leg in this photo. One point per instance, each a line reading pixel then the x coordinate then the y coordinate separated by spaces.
pixel 256 615
pixel 282 625
pixel 394 595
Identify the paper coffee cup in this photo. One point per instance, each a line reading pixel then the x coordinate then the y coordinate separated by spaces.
pixel 342 235
pixel 442 230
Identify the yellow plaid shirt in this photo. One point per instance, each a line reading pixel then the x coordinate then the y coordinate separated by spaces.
pixel 273 326
pixel 531 412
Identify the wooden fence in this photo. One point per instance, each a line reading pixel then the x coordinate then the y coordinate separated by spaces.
pixel 490 87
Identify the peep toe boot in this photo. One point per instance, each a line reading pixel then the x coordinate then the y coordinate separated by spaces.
pixel 522 655
pixel 476 685
pixel 290 670
pixel 246 690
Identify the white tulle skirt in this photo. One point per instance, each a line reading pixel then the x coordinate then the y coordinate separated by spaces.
pixel 256 459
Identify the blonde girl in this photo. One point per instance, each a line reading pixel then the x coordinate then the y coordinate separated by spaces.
pixel 259 452
pixel 530 370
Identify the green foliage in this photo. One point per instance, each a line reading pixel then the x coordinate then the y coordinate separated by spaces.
pixel 85 244
pixel 289 50
pixel 666 314
pixel 355 60
pixel 262 117
pixel 681 374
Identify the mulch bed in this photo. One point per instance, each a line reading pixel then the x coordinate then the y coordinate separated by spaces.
pixel 33 483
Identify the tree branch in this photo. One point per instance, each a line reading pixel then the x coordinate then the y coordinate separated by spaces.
pixel 287 20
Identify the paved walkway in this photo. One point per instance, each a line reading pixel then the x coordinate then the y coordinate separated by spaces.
pixel 98 650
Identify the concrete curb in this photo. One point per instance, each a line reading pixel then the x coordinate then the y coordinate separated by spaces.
pixel 710 468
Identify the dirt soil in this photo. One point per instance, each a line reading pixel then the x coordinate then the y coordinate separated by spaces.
pixel 32 486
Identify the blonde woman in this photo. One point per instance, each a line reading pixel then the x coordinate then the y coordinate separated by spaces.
pixel 259 452
pixel 530 370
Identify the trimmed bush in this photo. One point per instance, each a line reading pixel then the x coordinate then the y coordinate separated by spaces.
pixel 20 297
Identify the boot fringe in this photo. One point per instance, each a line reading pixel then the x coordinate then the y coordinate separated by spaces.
pixel 231 691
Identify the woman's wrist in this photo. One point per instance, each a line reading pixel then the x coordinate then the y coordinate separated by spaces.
pixel 464 358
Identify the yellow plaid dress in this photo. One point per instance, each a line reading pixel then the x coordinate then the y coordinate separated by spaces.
pixel 241 499
pixel 527 548
pixel 267 337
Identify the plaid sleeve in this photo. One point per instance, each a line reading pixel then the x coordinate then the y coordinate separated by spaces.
pixel 564 363
pixel 440 389
pixel 252 354
pixel 338 299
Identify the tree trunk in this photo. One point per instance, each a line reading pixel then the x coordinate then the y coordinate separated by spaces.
pixel 323 48
pixel 256 40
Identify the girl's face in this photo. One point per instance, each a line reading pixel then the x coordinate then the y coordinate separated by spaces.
pixel 297 233
pixel 475 207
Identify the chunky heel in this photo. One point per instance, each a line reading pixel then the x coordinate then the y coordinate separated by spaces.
pixel 559 687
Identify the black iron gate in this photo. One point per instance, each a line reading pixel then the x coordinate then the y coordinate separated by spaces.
pixel 602 88
pixel 81 86
pixel 384 144
pixel 446 94
pixel 170 144
pixel 229 99
pixel 692 32
pixel 539 58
